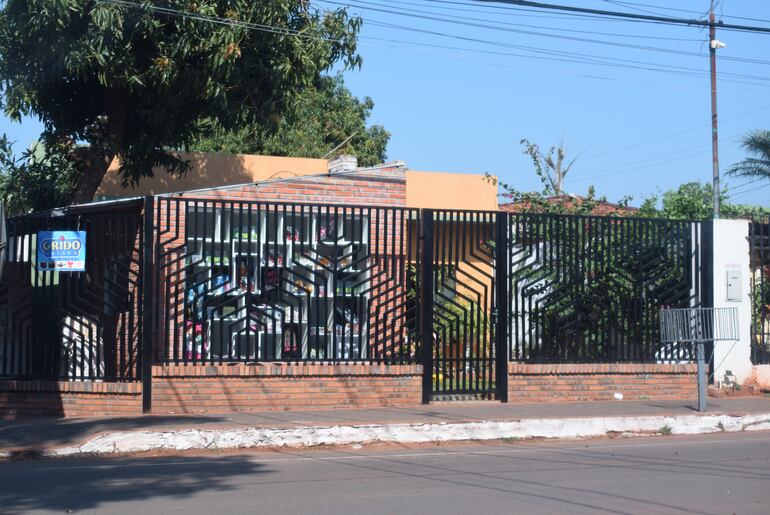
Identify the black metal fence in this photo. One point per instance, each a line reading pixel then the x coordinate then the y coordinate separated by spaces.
pixel 589 289
pixel 56 324
pixel 247 281
pixel 254 281
pixel 759 247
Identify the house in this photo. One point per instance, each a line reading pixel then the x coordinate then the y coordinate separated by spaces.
pixel 570 202
pixel 259 283
pixel 292 179
pixel 269 259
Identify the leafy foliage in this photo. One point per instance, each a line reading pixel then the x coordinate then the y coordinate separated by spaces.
pixel 550 166
pixel 542 202
pixel 757 144
pixel 319 119
pixel 133 80
pixel 41 178
pixel 693 201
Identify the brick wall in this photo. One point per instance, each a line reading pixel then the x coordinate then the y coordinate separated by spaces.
pixel 68 399
pixel 277 386
pixel 599 382
pixel 383 187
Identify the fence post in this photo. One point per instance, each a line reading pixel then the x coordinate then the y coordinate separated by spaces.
pixel 731 276
pixel 501 307
pixel 148 302
pixel 426 304
pixel 707 282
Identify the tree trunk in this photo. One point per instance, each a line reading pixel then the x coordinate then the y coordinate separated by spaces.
pixel 93 161
pixel 92 168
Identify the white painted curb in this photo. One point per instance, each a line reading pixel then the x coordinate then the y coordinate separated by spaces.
pixel 190 439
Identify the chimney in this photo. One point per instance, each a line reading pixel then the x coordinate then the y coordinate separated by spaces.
pixel 343 163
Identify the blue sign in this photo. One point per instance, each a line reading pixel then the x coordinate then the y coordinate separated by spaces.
pixel 63 251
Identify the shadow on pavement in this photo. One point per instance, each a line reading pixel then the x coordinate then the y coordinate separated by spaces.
pixel 73 486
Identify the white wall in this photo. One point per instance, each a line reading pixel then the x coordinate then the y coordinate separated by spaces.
pixel 731 252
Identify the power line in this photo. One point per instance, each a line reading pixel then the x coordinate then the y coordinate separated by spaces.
pixel 674 134
pixel 530 26
pixel 376 7
pixel 454 57
pixel 291 32
pixel 635 6
pixel 572 57
pixel 284 31
pixel 632 16
pixel 687 11
pixel 744 185
pixel 743 194
pixel 372 6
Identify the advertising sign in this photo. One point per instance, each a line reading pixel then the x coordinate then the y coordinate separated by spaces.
pixel 63 251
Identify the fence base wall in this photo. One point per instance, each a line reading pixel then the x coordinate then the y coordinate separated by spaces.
pixel 529 383
pixel 760 376
pixel 249 388
pixel 68 399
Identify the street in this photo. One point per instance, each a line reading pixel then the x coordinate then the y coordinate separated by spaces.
pixel 724 473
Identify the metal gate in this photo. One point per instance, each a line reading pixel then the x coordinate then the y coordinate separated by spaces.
pixel 459 300
pixel 85 326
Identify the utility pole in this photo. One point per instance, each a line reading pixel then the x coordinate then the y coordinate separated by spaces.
pixel 713 45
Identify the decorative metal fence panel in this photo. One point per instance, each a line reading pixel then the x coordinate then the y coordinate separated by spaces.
pixel 463 283
pixel 58 324
pixel 589 289
pixel 242 281
pixel 759 247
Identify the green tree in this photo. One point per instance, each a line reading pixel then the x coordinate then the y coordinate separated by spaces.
pixel 693 201
pixel 757 144
pixel 320 119
pixel 135 79
pixel 41 178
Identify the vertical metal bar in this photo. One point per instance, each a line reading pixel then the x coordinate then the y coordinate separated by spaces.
pixel 426 304
pixel 707 280
pixel 412 311
pixel 501 307
pixel 148 304
pixel 439 277
pixel 397 252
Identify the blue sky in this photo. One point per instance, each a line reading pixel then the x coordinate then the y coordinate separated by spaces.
pixel 458 83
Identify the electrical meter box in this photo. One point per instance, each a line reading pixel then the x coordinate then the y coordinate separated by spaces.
pixel 734 280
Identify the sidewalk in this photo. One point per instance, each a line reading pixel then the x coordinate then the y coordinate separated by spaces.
pixel 483 420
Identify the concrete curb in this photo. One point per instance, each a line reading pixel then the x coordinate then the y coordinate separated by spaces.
pixel 242 438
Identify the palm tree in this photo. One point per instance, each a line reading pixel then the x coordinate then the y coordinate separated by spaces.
pixel 757 144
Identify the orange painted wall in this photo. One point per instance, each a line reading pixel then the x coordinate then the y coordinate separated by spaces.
pixel 437 190
pixel 440 190
pixel 210 170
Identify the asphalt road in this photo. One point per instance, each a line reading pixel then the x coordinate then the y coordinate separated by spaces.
pixel 725 473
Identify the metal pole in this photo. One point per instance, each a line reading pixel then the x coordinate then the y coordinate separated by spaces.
pixel 148 302
pixel 714 133
pixel 700 355
pixel 426 304
pixel 501 301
